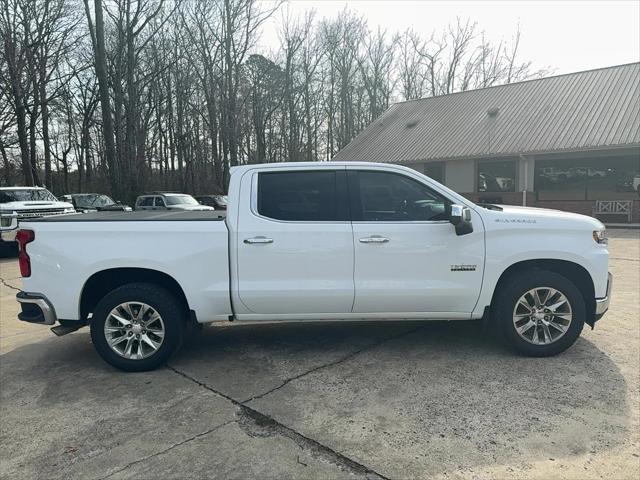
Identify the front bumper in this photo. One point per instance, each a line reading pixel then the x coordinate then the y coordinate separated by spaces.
pixel 36 308
pixel 602 304
pixel 8 235
pixel 8 232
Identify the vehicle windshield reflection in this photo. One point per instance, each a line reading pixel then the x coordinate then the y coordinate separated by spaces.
pixel 27 195
pixel 180 200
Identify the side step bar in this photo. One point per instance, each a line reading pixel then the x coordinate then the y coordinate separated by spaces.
pixel 61 330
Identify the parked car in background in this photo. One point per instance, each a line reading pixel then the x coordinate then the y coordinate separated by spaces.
pixel 316 241
pixel 19 203
pixel 490 183
pixel 629 184
pixel 591 172
pixel 169 201
pixel 219 202
pixel 94 202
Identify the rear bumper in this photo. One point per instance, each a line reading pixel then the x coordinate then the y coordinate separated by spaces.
pixel 36 308
pixel 602 304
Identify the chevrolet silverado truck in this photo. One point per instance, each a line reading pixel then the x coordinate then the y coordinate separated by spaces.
pixel 315 241
pixel 21 203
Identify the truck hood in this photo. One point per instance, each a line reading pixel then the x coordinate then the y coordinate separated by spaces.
pixel 191 208
pixel 33 205
pixel 532 215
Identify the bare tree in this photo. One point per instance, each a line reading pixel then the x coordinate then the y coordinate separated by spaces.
pixel 170 94
pixel 96 31
pixel 411 68
pixel 376 63
pixel 265 81
pixel 15 32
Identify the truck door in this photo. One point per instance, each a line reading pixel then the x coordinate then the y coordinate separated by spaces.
pixel 408 258
pixel 294 243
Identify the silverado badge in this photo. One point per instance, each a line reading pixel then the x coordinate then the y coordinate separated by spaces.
pixel 463 268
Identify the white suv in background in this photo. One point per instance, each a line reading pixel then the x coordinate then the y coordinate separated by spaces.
pixel 169 201
pixel 20 203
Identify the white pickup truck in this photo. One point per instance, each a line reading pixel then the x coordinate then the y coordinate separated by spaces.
pixel 315 241
pixel 20 203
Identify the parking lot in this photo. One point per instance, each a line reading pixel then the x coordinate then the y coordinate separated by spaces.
pixel 339 400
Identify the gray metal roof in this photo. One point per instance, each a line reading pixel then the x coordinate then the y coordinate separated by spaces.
pixel 578 111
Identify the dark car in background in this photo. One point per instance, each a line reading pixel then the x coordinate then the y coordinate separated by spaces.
pixel 219 202
pixel 94 202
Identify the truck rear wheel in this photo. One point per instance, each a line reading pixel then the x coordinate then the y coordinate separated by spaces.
pixel 539 313
pixel 138 326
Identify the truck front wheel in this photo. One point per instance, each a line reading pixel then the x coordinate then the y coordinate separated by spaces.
pixel 138 326
pixel 539 313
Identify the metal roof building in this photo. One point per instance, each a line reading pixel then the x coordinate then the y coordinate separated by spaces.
pixel 573 137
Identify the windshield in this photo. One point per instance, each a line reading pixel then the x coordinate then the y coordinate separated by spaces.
pixel 26 195
pixel 222 199
pixel 88 201
pixel 180 200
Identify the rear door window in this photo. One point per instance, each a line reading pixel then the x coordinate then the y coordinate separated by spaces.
pixel 304 196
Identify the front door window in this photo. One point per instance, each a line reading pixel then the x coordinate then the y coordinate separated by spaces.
pixel 391 197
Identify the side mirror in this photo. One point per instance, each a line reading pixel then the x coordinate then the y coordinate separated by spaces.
pixel 460 218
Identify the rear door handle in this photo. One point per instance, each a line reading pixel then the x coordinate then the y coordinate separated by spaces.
pixel 259 239
pixel 374 239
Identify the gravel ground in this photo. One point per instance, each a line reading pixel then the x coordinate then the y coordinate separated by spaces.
pixel 340 400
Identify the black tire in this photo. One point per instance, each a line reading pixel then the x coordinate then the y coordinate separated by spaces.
pixel 171 311
pixel 514 288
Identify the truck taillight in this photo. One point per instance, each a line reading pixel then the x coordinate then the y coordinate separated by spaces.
pixel 23 237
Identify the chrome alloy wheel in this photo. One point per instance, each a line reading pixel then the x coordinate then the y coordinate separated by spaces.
pixel 542 315
pixel 134 330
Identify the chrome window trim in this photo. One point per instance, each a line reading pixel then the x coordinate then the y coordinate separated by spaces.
pixel 412 222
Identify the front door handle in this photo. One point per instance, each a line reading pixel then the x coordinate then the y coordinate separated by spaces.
pixel 259 239
pixel 374 239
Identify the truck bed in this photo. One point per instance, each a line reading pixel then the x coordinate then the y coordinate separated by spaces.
pixel 139 216
pixel 189 247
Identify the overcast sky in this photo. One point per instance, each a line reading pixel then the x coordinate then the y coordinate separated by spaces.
pixel 567 36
